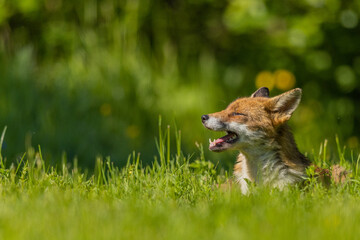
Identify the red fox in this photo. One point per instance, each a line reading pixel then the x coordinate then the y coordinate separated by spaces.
pixel 257 127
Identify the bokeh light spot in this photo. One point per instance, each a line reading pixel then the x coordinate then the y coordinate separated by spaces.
pixel 318 60
pixel 105 109
pixel 265 79
pixel 316 3
pixel 132 131
pixel 241 15
pixel 344 107
pixel 27 6
pixel 297 38
pixel 348 19
pixel 345 77
pixel 284 79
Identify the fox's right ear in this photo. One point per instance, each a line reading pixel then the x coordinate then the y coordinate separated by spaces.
pixel 261 92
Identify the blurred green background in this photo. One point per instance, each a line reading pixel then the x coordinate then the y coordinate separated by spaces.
pixel 91 77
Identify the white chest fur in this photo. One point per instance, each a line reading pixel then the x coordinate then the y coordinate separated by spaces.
pixel 264 168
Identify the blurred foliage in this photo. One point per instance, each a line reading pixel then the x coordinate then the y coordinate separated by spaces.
pixel 91 77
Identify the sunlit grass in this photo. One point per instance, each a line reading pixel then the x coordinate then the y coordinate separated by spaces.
pixel 174 198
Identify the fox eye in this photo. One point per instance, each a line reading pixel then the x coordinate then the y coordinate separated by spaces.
pixel 238 114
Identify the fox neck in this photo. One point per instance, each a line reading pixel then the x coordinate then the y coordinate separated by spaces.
pixel 276 162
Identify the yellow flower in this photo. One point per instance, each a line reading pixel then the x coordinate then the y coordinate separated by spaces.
pixel 265 79
pixel 284 80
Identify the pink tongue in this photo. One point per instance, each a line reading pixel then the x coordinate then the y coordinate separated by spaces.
pixel 219 140
pixel 224 138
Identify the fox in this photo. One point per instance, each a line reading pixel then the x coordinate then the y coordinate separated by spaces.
pixel 257 127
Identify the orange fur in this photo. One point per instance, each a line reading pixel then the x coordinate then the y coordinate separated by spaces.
pixel 257 127
pixel 268 152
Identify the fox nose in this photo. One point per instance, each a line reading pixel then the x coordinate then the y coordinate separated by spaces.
pixel 204 118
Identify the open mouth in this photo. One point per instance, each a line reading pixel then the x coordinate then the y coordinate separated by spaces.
pixel 224 142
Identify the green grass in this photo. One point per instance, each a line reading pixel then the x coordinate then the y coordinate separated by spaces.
pixel 174 198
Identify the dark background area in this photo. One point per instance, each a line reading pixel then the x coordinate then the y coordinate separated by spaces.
pixel 91 77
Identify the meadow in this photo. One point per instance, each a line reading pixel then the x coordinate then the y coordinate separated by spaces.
pixel 176 197
pixel 82 84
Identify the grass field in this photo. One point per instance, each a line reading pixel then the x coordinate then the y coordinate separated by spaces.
pixel 174 198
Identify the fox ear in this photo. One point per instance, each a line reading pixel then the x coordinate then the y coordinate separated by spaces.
pixel 284 105
pixel 261 92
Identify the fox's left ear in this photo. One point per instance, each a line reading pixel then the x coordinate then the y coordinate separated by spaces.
pixel 261 92
pixel 283 106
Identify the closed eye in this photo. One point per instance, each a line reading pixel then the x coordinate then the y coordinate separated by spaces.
pixel 238 114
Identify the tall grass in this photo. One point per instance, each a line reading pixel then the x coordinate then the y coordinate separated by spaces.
pixel 174 198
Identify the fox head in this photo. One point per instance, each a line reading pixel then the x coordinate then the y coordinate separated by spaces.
pixel 252 120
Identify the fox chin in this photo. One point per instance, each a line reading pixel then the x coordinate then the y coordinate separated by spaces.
pixel 257 127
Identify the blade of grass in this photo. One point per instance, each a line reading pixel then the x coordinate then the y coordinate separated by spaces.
pixel 340 152
pixel 168 145
pixel 21 160
pixel 1 146
pixel 357 166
